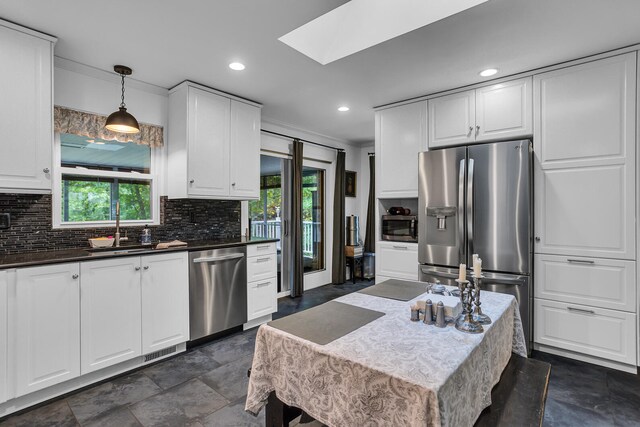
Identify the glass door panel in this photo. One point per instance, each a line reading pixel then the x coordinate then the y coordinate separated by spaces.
pixel 269 216
pixel 313 226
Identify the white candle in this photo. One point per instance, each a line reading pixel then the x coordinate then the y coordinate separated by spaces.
pixel 463 272
pixel 477 267
pixel 474 257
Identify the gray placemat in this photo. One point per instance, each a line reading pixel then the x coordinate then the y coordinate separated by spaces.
pixel 396 289
pixel 327 322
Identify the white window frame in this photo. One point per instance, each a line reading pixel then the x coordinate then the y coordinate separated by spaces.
pixel 58 171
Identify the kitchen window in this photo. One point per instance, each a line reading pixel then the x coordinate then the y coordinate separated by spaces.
pixel 92 174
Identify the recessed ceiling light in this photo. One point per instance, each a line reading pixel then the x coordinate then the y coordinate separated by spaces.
pixel 343 108
pixel 237 66
pixel 488 72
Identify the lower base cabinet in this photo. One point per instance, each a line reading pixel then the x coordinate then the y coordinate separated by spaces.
pixel 111 319
pixel 47 327
pixel 593 331
pixel 4 328
pixel 165 300
pixel 397 260
pixel 262 280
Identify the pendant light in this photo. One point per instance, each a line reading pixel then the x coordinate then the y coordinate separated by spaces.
pixel 121 121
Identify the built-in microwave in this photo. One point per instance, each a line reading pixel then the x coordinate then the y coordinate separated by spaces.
pixel 400 228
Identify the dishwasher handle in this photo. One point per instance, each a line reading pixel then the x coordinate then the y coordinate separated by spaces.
pixel 219 258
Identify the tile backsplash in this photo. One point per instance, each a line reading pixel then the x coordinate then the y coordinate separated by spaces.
pixel 186 219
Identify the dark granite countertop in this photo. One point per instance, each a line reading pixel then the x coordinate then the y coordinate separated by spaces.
pixel 133 249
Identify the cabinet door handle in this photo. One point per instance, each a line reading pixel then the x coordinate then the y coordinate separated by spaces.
pixel 192 181
pixel 46 170
pixel 263 246
pixel 263 284
pixel 580 261
pixel 537 239
pixel 477 129
pixel 263 259
pixel 470 130
pixel 400 247
pixel 75 276
pixel 146 267
pixel 581 310
pixel 137 268
pixel 233 184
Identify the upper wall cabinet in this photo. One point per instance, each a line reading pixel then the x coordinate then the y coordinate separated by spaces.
pixel 214 145
pixel 499 111
pixel 26 132
pixel 584 147
pixel 401 133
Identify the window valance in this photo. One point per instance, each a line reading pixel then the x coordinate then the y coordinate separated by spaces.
pixel 91 125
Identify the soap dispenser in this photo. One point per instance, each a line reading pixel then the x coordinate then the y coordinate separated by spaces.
pixel 145 236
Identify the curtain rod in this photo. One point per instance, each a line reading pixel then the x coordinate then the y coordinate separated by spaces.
pixel 300 139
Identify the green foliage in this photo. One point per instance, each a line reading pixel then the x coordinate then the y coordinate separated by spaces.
pixel 90 200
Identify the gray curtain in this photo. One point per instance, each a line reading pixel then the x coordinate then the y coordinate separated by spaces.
pixel 296 221
pixel 370 231
pixel 338 268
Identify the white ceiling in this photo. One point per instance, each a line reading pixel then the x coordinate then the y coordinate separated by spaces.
pixel 168 41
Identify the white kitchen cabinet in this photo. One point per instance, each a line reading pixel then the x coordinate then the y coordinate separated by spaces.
pixel 584 159
pixel 452 119
pixel 4 329
pixel 498 111
pixel 597 282
pixel 110 312
pixel 244 151
pixel 46 326
pixel 26 131
pixel 606 334
pixel 397 260
pixel 400 136
pixel 165 300
pixel 262 280
pixel 208 146
pixel 214 145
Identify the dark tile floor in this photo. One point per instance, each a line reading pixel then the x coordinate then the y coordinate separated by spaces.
pixel 207 386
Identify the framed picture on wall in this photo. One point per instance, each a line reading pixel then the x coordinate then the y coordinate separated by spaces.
pixel 350 183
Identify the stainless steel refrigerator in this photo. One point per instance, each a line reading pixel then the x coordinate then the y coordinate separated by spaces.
pixel 477 199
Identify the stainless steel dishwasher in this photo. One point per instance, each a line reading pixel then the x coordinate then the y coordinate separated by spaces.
pixel 217 290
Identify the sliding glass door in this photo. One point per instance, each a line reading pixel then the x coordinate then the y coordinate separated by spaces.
pixel 270 217
pixel 313 214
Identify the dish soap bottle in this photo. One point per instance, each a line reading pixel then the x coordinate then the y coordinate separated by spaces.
pixel 145 236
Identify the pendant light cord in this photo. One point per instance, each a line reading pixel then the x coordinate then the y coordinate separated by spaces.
pixel 122 104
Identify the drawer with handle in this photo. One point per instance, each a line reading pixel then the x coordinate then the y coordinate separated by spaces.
pixel 397 260
pixel 261 267
pixel 262 298
pixel 597 282
pixel 609 334
pixel 261 249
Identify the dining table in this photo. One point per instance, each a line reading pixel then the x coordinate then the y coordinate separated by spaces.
pixel 360 361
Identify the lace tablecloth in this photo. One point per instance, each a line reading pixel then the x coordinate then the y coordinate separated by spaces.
pixel 390 372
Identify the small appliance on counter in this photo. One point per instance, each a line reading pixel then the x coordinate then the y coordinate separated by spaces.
pixel 353 230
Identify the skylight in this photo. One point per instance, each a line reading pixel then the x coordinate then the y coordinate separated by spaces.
pixel 360 24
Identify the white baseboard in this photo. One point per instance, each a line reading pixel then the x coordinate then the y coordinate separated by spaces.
pixel 23 402
pixel 586 358
pixel 257 322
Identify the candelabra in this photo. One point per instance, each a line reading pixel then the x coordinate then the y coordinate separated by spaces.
pixel 465 321
pixel 478 315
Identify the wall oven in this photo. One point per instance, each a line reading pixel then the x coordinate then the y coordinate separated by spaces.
pixel 400 228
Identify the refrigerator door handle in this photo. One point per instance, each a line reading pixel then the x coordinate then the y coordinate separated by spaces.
pixel 461 210
pixel 470 205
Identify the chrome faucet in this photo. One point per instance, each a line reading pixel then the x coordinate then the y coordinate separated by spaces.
pixel 117 224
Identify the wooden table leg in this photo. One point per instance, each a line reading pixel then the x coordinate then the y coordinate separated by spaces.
pixel 277 414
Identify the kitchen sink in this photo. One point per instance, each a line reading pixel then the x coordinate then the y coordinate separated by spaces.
pixel 117 251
